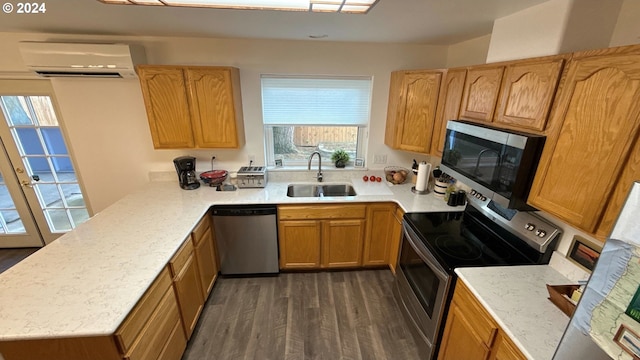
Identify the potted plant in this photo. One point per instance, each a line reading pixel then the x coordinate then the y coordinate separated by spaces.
pixel 340 158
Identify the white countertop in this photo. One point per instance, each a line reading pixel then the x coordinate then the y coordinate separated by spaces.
pixel 517 298
pixel 86 282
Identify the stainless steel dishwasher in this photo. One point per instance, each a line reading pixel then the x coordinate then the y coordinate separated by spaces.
pixel 246 238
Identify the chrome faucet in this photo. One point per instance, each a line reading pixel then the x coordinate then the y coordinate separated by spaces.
pixel 476 171
pixel 319 175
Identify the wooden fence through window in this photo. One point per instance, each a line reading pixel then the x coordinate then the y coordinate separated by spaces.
pixel 314 135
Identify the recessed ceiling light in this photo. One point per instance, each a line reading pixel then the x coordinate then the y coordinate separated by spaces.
pixel 319 36
pixel 342 6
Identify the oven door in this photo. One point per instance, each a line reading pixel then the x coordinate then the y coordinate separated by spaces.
pixel 422 286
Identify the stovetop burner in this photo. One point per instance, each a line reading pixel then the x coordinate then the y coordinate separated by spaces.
pixel 458 248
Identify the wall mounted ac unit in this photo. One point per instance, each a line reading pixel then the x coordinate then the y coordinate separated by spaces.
pixel 49 59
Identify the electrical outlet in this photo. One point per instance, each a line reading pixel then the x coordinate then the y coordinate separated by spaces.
pixel 380 159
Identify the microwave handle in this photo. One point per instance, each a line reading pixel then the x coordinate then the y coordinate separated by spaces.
pixel 424 254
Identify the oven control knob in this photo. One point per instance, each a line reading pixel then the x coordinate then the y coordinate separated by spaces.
pixel 478 195
pixel 530 227
pixel 483 198
pixel 473 192
pixel 541 233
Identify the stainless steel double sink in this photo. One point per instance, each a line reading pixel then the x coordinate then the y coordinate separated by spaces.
pixel 320 190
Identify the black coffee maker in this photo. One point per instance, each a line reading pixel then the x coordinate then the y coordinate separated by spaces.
pixel 186 168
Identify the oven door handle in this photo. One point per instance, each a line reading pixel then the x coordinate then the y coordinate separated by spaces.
pixel 424 254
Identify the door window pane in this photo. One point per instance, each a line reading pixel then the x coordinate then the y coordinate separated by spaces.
pixel 39 166
pixel 29 141
pixel 58 220
pixel 49 195
pixel 16 111
pixel 43 110
pixel 72 194
pixel 79 215
pixel 10 222
pixel 54 141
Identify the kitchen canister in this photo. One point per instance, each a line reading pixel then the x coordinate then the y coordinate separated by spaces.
pixel 440 188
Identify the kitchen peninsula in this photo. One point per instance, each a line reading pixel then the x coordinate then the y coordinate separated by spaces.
pixel 85 284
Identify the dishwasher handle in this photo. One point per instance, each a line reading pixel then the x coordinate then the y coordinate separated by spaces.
pixel 244 210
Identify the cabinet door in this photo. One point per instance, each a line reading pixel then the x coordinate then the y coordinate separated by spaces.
pixel 527 93
pixel 412 124
pixel 206 260
pixel 342 243
pixel 448 107
pixel 167 104
pixel 598 112
pixel 481 92
pixel 216 110
pixel 299 244
pixel 186 281
pixel 469 331
pixel 378 236
pixel 504 349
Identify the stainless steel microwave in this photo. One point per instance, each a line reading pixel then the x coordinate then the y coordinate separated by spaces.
pixel 498 164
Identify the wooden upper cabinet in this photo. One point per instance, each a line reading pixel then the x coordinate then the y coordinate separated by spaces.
pixel 596 120
pixel 413 98
pixel 215 107
pixel 527 92
pixel 449 102
pixel 193 107
pixel 481 90
pixel 167 104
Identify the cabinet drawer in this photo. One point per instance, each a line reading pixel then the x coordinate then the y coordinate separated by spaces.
pixel 307 212
pixel 200 229
pixel 157 331
pixel 475 313
pixel 181 257
pixel 138 317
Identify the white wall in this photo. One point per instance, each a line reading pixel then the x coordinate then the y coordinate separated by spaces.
pixel 627 30
pixel 554 27
pixel 106 123
pixel 470 52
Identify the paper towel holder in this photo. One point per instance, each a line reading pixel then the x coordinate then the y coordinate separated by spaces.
pixel 426 170
pixel 415 191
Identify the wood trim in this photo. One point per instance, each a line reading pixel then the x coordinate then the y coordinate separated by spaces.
pixel 317 212
pixel 94 348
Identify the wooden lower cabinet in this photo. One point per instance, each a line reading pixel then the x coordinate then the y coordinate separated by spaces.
pixel 205 252
pixel 321 236
pixel 378 236
pixel 342 243
pixel 471 333
pixel 504 349
pixel 186 281
pixel 299 244
pixel 339 235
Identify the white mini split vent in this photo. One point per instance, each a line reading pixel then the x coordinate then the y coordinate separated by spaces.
pixel 49 59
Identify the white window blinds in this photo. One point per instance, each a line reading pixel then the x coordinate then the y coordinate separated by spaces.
pixel 288 100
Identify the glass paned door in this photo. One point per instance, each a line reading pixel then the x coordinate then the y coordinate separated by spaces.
pixel 17 226
pixel 42 162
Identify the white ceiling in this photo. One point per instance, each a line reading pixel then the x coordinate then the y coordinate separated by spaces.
pixel 439 22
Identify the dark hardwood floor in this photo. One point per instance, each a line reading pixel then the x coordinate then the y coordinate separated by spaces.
pixel 10 257
pixel 294 316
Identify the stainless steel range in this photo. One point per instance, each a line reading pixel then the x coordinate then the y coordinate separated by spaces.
pixel 434 244
pixel 252 177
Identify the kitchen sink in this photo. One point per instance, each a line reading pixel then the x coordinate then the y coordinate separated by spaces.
pixel 315 190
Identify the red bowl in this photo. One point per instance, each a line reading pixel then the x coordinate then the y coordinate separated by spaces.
pixel 214 177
